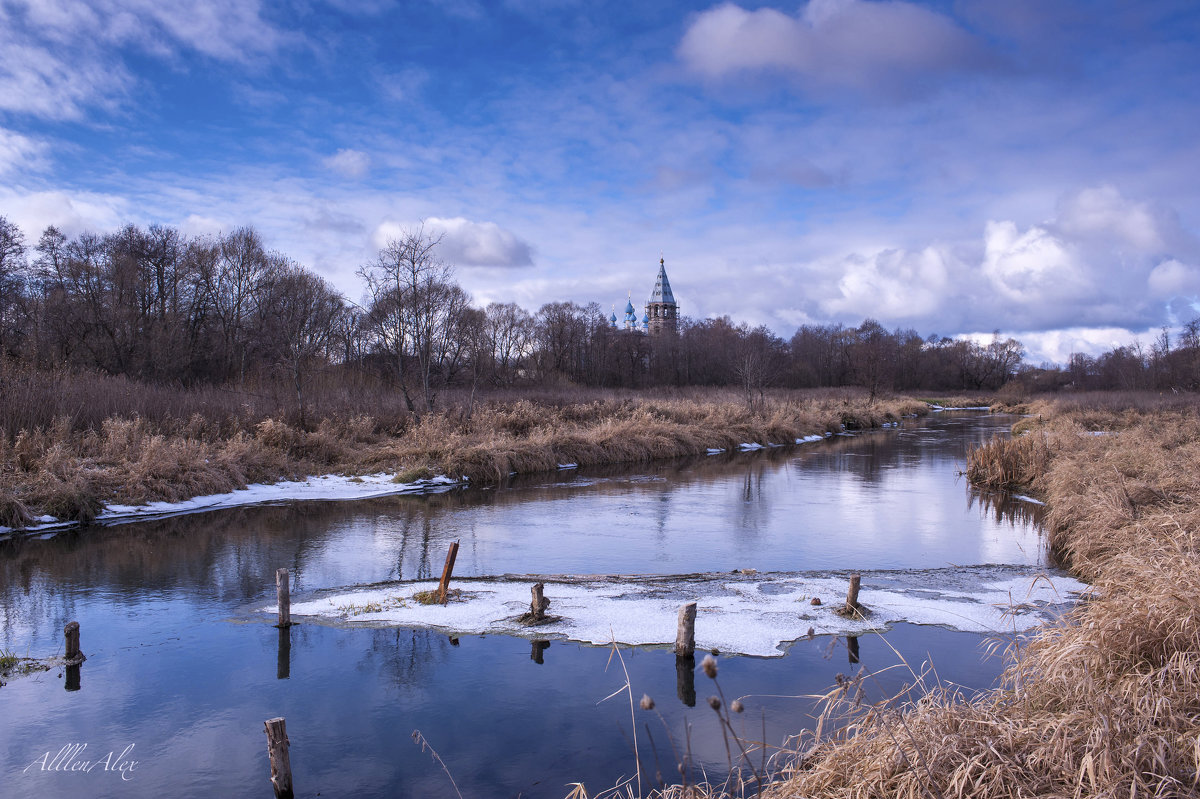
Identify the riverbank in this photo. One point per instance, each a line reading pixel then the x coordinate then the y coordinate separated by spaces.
pixel 61 473
pixel 1104 703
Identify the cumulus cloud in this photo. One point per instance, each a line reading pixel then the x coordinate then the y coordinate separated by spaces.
pixel 352 164
pixel 893 284
pixel 1103 262
pixel 862 44
pixel 467 243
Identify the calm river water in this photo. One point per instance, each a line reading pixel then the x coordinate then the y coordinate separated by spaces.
pixel 184 668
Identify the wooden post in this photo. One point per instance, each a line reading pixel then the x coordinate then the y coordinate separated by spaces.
pixel 73 657
pixel 852 645
pixel 281 764
pixel 444 585
pixel 685 634
pixel 852 595
pixel 537 607
pixel 283 596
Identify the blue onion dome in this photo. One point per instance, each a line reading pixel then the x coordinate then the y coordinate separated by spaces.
pixel 629 308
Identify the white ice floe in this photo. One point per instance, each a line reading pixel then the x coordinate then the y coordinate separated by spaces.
pixel 809 439
pixel 715 450
pixel 749 614
pixel 1026 498
pixel 563 466
pixel 749 447
pixel 937 408
pixel 325 487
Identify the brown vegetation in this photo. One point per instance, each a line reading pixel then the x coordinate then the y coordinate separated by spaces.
pixel 1107 703
pixel 135 444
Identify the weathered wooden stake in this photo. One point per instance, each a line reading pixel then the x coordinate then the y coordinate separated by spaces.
pixel 444 585
pixel 281 764
pixel 685 679
pixel 537 607
pixel 685 634
pixel 283 596
pixel 73 656
pixel 852 595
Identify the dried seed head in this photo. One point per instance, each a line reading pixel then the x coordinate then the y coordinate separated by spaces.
pixel 714 703
pixel 736 706
pixel 647 702
pixel 710 667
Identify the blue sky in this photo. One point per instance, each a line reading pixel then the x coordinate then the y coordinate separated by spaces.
pixel 1028 166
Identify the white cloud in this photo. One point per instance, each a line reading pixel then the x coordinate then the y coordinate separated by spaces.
pixel 59 57
pixel 1102 213
pixel 893 284
pixel 467 243
pixel 71 212
pixel 1031 267
pixel 1057 346
pixel 864 44
pixel 352 164
pixel 19 153
pixel 1172 278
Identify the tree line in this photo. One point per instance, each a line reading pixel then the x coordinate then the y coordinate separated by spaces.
pixel 156 305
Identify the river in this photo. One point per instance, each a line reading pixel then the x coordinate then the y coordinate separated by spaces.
pixel 184 664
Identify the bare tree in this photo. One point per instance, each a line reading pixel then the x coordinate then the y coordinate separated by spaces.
pixel 413 310
pixel 305 314
pixel 12 279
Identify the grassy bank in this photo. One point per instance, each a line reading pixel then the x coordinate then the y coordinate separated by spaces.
pixel 172 444
pixel 1107 703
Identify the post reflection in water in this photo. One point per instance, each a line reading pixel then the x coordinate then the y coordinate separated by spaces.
pixel 685 679
pixel 179 676
pixel 283 667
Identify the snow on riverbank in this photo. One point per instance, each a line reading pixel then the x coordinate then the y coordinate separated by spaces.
pixel 324 487
pixel 749 614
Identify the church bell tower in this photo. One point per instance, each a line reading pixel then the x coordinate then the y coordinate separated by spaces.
pixel 661 310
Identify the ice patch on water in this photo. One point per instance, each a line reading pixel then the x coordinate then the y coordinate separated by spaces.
pixel 324 487
pixel 749 447
pixel 809 439
pixel 564 466
pixel 1025 498
pixel 749 614
pixel 715 450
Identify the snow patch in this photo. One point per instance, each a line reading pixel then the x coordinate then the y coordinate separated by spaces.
pixel 749 447
pixel 743 613
pixel 324 487
pixel 809 439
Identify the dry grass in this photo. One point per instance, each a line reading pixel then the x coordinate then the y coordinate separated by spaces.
pixel 71 469
pixel 1107 703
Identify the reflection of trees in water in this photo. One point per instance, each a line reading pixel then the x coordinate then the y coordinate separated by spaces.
pixel 753 513
pixel 405 656
pixel 1004 509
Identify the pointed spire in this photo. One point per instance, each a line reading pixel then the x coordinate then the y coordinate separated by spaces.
pixel 662 288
